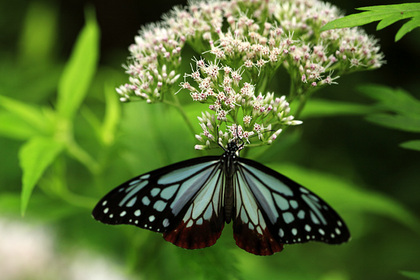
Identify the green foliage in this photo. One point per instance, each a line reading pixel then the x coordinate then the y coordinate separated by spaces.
pixel 385 14
pixel 36 156
pixel 331 108
pixel 79 70
pixel 400 111
pixel 411 274
pixel 50 132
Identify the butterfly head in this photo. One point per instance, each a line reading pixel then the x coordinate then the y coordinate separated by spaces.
pixel 234 146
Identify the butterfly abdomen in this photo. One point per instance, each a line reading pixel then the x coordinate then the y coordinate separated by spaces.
pixel 228 168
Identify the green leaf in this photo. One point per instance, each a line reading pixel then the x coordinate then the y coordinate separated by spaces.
pixel 112 116
pixel 107 130
pixel 411 274
pixel 35 46
pixel 327 108
pixel 399 122
pixel 16 128
pixel 30 114
pixel 386 14
pixel 413 145
pixel 35 156
pixel 407 27
pixel 80 69
pixel 346 195
pixel 405 110
pixel 395 100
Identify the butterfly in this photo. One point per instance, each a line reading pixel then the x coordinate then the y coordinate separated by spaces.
pixel 189 202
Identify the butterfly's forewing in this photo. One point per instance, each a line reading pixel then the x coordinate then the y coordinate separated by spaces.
pixel 272 210
pixel 182 201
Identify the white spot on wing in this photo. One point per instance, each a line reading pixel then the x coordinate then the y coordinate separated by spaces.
pixel 145 200
pixel 281 202
pixel 106 210
pixel 301 214
pixel 188 214
pixel 154 192
pixel 137 212
pixel 145 176
pixel 314 218
pixel 168 192
pixel 244 216
pixel 209 211
pixel 294 204
pixel 303 190
pixel 159 205
pixel 133 183
pixel 104 203
pixel 151 218
pixel 131 202
pixel 281 233
pixel 165 223
pixel 122 214
pixel 288 217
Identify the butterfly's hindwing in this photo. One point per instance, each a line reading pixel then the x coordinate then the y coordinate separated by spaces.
pixel 182 200
pixel 250 229
pixel 290 212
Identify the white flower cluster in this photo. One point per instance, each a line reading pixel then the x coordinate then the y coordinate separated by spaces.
pixel 234 102
pixel 242 44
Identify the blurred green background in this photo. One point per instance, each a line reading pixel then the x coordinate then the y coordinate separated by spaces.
pixel 74 124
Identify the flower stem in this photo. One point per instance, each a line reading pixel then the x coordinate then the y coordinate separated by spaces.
pixel 178 106
pixel 82 156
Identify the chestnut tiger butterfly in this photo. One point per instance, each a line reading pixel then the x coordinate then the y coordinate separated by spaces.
pixel 189 202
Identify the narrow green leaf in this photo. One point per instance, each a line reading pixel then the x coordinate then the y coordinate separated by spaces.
pixel 407 27
pixel 80 69
pixel 30 114
pixel 35 46
pixel 386 14
pixel 387 21
pixel 396 100
pixel 411 274
pixel 327 108
pixel 352 21
pixel 112 116
pixel 413 145
pixel 394 7
pixel 399 122
pixel 35 156
pixel 16 128
pixel 346 195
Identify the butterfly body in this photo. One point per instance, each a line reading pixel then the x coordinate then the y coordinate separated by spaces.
pixel 190 201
